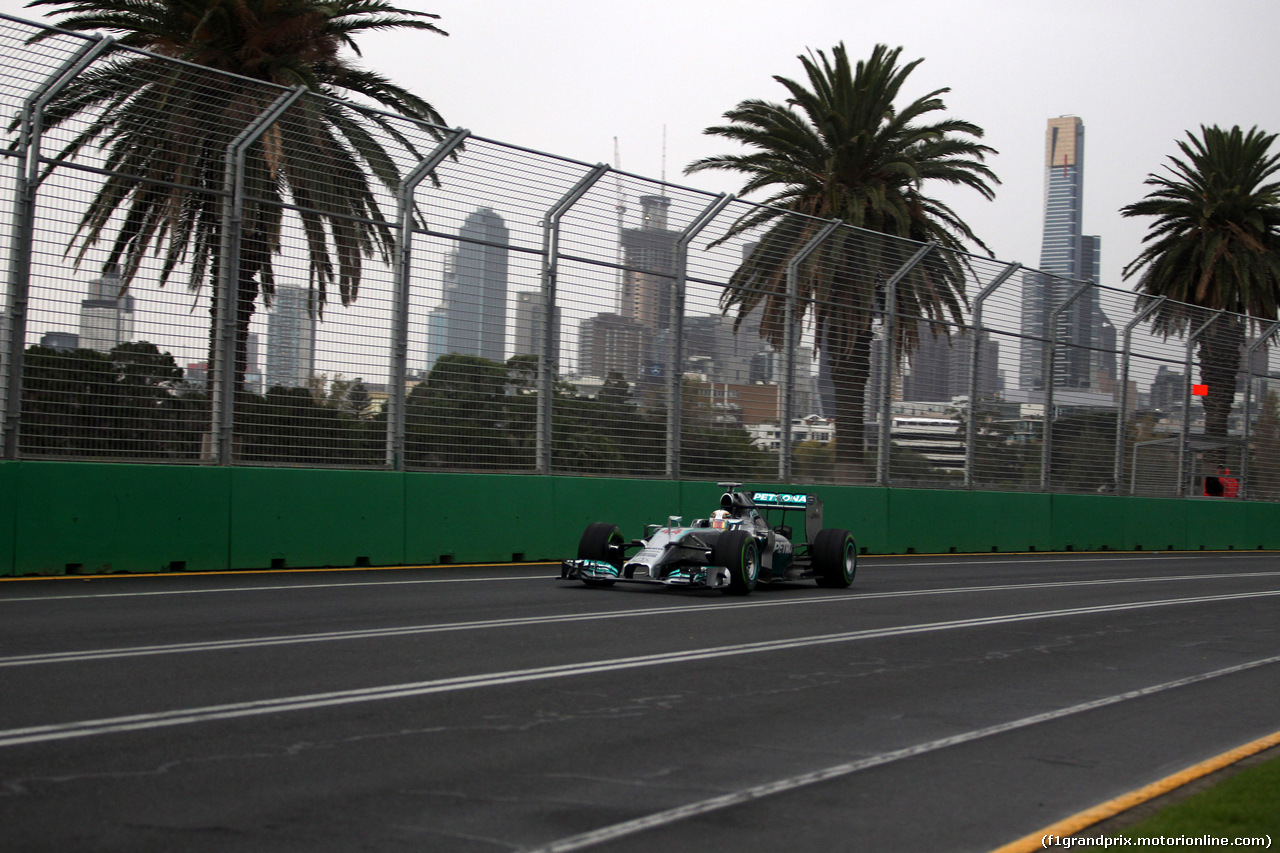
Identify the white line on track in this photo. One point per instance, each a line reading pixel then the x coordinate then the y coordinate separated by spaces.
pixel 746 795
pixel 184 716
pixel 272 588
pixel 1084 560
pixel 412 630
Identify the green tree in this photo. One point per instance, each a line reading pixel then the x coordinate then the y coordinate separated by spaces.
pixel 1083 453
pixel 290 426
pixel 813 461
pixel 127 403
pixel 347 395
pixel 1215 243
pixel 66 402
pixel 458 418
pixel 585 438
pixel 163 128
pixel 154 418
pixel 358 400
pixel 841 148
pixel 998 460
pixel 616 391
pixel 712 447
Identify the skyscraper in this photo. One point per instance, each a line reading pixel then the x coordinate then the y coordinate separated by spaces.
pixel 252 372
pixel 649 258
pixel 472 319
pixel 106 316
pixel 1067 257
pixel 531 318
pixel 942 365
pixel 608 344
pixel 291 338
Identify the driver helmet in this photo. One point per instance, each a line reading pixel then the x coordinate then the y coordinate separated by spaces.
pixel 720 519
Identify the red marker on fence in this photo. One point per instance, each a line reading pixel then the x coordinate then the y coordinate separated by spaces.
pixel 1200 390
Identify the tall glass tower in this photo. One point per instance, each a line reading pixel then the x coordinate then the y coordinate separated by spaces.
pixel 1067 257
pixel 472 319
pixel 291 338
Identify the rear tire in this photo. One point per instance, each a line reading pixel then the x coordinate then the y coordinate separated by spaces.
pixel 835 558
pixel 737 551
pixel 601 541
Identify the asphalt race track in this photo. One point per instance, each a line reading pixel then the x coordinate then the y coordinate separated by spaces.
pixel 941 704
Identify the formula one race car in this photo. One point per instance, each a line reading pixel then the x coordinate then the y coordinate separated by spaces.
pixel 736 548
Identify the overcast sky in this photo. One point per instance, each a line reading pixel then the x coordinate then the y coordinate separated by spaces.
pixel 568 76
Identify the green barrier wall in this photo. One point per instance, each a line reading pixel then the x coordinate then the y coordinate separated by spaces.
pixel 82 518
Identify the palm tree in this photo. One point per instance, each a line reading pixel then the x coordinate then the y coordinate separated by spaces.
pixel 1215 244
pixel 840 149
pixel 163 127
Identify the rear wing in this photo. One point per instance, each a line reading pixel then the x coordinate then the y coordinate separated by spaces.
pixel 792 502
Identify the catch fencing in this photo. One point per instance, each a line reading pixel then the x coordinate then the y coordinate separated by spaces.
pixel 440 301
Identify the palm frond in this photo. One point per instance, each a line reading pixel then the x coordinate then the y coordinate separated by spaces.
pixel 1216 228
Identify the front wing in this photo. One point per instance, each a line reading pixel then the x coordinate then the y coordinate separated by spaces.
pixel 686 577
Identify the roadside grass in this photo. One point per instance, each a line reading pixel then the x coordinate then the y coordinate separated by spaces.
pixel 1246 805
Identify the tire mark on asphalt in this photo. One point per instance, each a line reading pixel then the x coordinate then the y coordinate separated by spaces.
pixel 83 655
pixel 780 786
pixel 237 710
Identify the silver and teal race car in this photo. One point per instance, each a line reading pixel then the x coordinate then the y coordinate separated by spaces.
pixel 746 542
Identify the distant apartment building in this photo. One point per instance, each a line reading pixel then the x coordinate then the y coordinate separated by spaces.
pixel 941 366
pixel 253 378
pixel 1168 389
pixel 106 315
pixel 609 344
pixel 767 435
pixel 712 346
pixel 530 325
pixel 60 341
pixel 291 338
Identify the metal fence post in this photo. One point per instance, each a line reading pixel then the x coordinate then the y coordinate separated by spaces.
pixel 550 271
pixel 675 375
pixel 789 338
pixel 890 357
pixel 1248 405
pixel 30 134
pixel 399 372
pixel 223 376
pixel 1121 424
pixel 1050 345
pixel 971 425
pixel 1185 438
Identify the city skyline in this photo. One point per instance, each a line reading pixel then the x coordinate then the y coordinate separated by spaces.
pixel 1005 69
pixel 996 65
pixel 1105 260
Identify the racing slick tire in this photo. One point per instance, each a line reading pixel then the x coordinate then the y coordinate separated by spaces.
pixel 835 558
pixel 736 550
pixel 595 545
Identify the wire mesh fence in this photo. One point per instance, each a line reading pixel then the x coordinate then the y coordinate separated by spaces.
pixel 204 269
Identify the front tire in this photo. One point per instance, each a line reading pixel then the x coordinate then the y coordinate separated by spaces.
pixel 736 550
pixel 601 541
pixel 835 558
